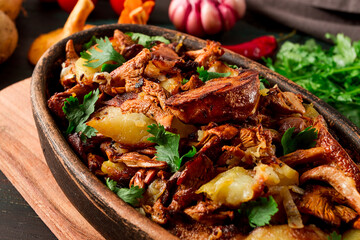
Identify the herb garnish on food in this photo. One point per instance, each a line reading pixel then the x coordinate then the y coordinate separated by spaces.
pixel 167 149
pixel 129 195
pixel 334 236
pixel 303 140
pixel 145 40
pixel 206 75
pixel 78 113
pixel 260 211
pixel 333 75
pixel 102 53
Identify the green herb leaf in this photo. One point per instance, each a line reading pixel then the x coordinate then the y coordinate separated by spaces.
pixel 78 113
pixel 263 83
pixel 189 154
pixel 167 149
pixel 231 66
pixel 96 58
pixel 89 44
pixel 259 212
pixel 129 195
pixel 334 236
pixel 303 140
pixel 206 75
pixel 333 75
pixel 145 40
pixel 184 81
pixel 109 67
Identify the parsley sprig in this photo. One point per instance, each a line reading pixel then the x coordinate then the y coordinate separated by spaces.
pixel 145 40
pixel 260 211
pixel 334 236
pixel 206 75
pixel 167 149
pixel 103 53
pixel 78 113
pixel 129 195
pixel 303 140
pixel 331 74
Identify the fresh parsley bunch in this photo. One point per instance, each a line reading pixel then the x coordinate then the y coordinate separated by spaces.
pixel 333 75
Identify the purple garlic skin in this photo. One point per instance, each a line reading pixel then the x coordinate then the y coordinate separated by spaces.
pixel 200 17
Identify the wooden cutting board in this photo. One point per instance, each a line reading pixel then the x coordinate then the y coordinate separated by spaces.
pixel 23 163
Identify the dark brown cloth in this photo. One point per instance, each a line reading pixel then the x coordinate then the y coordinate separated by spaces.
pixel 314 17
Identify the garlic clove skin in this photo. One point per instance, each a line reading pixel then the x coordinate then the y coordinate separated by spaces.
pixel 228 16
pixel 178 13
pixel 239 6
pixel 193 24
pixel 210 17
pixel 199 17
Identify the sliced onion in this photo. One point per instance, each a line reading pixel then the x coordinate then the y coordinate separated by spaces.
pixel 292 212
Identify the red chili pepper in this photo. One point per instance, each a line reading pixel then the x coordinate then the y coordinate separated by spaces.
pixel 257 48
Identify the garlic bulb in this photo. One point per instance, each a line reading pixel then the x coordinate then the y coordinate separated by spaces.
pixel 200 17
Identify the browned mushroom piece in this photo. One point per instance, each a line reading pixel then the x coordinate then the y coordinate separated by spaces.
pixel 324 202
pixel 211 142
pixel 134 159
pixel 206 55
pixel 218 100
pixel 297 122
pixel 335 153
pixel 303 156
pixel 345 185
pixel 208 213
pixel 194 82
pixel 121 42
pixel 143 177
pixel 196 172
pixel 284 102
pixel 149 106
pixel 129 75
pixel 68 73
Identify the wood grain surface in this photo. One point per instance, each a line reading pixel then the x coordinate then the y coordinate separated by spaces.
pixel 23 163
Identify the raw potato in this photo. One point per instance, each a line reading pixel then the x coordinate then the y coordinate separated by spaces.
pixel 8 37
pixel 11 8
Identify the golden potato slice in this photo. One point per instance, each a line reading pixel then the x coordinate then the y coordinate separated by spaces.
pixel 231 188
pixel 83 73
pixel 276 175
pixel 352 234
pixel 128 128
pixel 284 232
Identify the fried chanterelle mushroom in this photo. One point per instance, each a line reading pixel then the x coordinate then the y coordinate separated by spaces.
pixel 197 145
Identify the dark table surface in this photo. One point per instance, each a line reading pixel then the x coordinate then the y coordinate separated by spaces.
pixel 17 219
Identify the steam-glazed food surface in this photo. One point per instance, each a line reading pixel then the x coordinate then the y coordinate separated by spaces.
pixel 206 149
